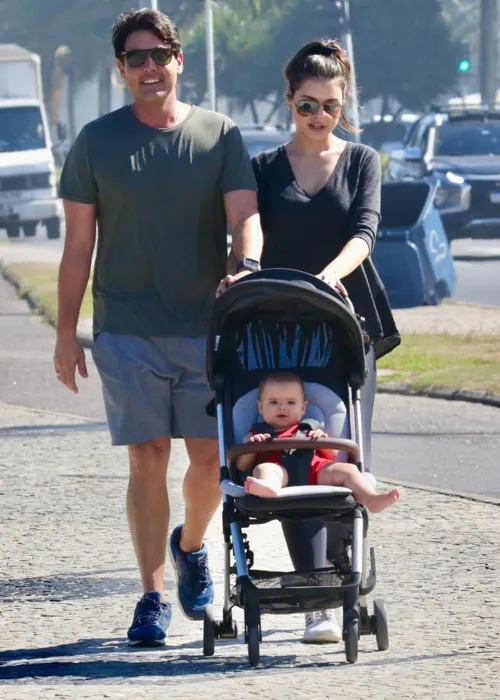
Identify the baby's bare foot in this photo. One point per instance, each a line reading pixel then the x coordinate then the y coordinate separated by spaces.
pixel 380 501
pixel 259 487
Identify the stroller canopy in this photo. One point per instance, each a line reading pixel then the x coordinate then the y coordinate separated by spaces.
pixel 275 313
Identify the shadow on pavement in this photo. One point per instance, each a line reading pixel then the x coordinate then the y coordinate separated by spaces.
pixel 172 664
pixel 68 586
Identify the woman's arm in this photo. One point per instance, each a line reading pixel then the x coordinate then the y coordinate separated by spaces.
pixel 365 217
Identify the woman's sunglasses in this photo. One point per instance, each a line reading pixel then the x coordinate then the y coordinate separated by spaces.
pixel 307 107
pixel 137 57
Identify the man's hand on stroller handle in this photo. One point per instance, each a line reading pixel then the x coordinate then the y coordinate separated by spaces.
pixel 228 280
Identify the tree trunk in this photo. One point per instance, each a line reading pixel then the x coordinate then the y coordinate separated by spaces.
pixel 253 109
pixel 278 101
pixel 71 94
pixel 104 77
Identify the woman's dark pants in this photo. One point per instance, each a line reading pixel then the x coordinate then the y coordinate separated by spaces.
pixel 308 541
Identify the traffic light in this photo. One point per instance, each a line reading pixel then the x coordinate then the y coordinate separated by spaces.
pixel 464 65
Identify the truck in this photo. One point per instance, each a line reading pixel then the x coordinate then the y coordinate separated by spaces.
pixel 28 181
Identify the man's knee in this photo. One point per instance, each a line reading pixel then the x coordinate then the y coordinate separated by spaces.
pixel 149 458
pixel 203 454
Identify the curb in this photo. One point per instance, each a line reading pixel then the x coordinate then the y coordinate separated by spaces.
pixel 490 500
pixel 442 393
pixel 86 341
pixel 37 306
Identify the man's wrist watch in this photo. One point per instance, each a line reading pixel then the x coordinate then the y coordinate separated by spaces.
pixel 248 264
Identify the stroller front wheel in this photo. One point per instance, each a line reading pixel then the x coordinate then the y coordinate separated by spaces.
pixel 252 631
pixel 209 631
pixel 253 641
pixel 351 636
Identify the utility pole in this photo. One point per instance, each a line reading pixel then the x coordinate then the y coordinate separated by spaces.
pixel 153 5
pixel 350 53
pixel 343 18
pixel 210 53
pixel 488 67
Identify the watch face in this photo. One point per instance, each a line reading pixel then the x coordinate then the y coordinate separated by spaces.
pixel 250 264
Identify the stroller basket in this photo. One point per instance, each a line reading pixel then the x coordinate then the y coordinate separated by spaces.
pixel 296 591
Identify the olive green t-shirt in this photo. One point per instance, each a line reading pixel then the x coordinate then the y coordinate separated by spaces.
pixel 162 227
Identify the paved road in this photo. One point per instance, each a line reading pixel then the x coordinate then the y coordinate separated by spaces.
pixel 68 580
pixel 477 264
pixel 478 271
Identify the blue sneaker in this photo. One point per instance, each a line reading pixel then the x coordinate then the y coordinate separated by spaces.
pixel 195 588
pixel 151 621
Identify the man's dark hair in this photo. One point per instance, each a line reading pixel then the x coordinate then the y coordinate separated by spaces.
pixel 145 20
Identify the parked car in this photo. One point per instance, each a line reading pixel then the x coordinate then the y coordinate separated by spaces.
pixel 262 138
pixel 459 148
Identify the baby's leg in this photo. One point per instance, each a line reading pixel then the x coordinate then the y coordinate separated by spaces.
pixel 348 475
pixel 268 479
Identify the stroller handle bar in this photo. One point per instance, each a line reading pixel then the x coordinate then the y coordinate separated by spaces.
pixel 281 444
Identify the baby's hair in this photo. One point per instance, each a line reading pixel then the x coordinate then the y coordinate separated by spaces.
pixel 282 378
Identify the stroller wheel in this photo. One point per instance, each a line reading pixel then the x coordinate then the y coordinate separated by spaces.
pixel 380 620
pixel 252 632
pixel 253 641
pixel 209 631
pixel 351 635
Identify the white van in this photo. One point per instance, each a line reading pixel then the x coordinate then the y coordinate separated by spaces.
pixel 28 187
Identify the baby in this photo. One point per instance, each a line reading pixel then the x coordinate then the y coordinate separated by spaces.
pixel 282 404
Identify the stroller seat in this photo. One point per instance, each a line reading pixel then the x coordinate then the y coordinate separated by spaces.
pixel 324 406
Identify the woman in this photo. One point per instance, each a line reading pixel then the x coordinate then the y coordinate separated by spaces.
pixel 319 201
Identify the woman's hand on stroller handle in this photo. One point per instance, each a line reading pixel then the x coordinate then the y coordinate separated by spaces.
pixel 333 280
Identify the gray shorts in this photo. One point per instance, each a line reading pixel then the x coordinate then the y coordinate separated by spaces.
pixel 154 387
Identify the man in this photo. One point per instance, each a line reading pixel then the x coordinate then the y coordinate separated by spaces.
pixel 162 179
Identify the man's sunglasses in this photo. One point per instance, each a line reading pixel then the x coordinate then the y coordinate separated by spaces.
pixel 307 107
pixel 137 57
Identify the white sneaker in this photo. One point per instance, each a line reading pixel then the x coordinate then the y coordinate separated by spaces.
pixel 322 628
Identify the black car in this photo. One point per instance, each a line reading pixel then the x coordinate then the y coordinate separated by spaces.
pixel 460 149
pixel 262 138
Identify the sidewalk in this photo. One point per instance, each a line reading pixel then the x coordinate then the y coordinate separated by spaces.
pixel 69 582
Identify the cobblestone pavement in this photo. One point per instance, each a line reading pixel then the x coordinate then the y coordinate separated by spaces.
pixel 68 585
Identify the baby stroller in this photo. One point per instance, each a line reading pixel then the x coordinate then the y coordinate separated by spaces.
pixel 284 320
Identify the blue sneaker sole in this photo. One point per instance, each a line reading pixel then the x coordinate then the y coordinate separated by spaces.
pixel 197 616
pixel 149 643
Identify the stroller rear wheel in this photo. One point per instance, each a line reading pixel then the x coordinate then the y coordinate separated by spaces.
pixel 380 624
pixel 210 628
pixel 351 636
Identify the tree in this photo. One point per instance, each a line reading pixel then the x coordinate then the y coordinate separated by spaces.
pixel 84 26
pixel 405 52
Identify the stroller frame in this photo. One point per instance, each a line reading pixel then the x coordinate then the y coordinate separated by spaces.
pixel 278 592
